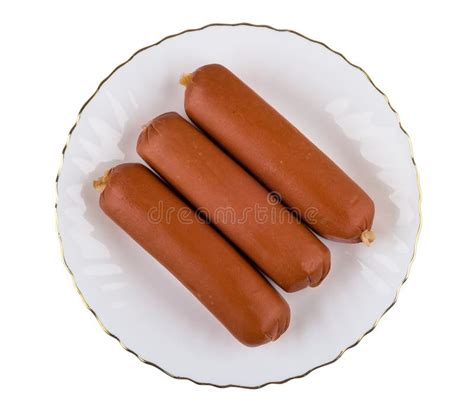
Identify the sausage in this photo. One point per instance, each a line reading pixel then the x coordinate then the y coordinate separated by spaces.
pixel 222 280
pixel 235 202
pixel 278 154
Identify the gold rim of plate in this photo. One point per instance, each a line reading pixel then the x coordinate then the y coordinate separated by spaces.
pixel 344 350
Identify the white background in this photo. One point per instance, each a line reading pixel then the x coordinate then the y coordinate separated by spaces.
pixel 54 357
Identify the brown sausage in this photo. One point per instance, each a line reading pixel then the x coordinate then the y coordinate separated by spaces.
pixel 278 154
pixel 233 291
pixel 235 202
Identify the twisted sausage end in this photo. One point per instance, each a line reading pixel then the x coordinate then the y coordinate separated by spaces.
pixel 367 237
pixel 185 79
pixel 101 182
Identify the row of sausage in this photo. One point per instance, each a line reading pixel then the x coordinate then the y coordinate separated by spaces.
pixel 245 159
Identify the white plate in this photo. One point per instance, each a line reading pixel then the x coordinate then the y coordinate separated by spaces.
pixel 336 105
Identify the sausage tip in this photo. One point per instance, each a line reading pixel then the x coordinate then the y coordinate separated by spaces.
pixel 101 182
pixel 367 237
pixel 185 79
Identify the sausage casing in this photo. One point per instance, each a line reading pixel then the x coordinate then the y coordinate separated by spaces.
pixel 222 280
pixel 278 154
pixel 235 202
